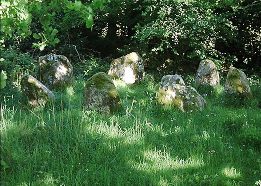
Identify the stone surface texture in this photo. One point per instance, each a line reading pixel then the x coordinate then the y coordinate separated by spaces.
pixel 100 94
pixel 37 94
pixel 207 74
pixel 55 71
pixel 237 83
pixel 174 92
pixel 129 68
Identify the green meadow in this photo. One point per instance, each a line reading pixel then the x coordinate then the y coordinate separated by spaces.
pixel 141 144
pixel 47 45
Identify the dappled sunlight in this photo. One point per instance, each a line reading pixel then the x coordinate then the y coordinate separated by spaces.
pixel 163 182
pixel 158 129
pixel 6 119
pixel 70 91
pixel 178 130
pixel 119 83
pixel 22 14
pixel 114 131
pixel 204 136
pixel 47 179
pixel 156 160
pixel 62 70
pixel 128 76
pixel 119 92
pixel 231 172
pixel 122 87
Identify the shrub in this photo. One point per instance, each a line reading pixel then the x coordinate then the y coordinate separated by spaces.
pixel 180 30
pixel 90 66
pixel 15 64
pixel 42 20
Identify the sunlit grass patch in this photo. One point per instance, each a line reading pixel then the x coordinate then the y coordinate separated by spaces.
pixel 157 160
pixel 204 136
pixel 113 130
pixel 119 84
pixel 6 119
pixel 47 179
pixel 231 172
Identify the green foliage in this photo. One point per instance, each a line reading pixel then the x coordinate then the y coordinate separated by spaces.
pixel 90 66
pixel 181 30
pixel 44 19
pixel 244 44
pixel 15 18
pixel 15 65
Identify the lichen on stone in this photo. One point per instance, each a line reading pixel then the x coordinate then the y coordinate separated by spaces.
pixel 237 83
pixel 100 94
pixel 207 74
pixel 174 93
pixel 55 71
pixel 129 68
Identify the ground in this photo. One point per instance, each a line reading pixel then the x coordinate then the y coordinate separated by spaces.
pixel 142 144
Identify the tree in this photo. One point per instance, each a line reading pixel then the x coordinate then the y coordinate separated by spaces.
pixel 42 20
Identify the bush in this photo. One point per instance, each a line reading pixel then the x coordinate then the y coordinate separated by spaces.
pixel 90 66
pixel 41 21
pixel 180 31
pixel 15 64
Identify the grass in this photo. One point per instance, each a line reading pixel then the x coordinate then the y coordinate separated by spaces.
pixel 142 144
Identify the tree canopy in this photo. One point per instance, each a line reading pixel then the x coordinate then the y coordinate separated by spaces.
pixel 178 32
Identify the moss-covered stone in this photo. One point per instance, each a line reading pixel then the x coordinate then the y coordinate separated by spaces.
pixel 129 68
pixel 207 77
pixel 237 83
pixel 100 94
pixel 55 71
pixel 173 94
pixel 171 80
pixel 186 98
pixel 37 94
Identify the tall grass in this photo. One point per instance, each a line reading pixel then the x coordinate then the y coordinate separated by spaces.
pixel 142 144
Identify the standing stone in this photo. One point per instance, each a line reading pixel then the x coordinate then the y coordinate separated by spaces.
pixel 36 93
pixel 129 68
pixel 207 74
pixel 237 83
pixel 100 94
pixel 55 71
pixel 177 94
pixel 171 80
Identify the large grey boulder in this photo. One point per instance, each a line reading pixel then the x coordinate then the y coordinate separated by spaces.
pixel 175 94
pixel 55 71
pixel 237 83
pixel 171 80
pixel 207 74
pixel 37 94
pixel 100 94
pixel 129 68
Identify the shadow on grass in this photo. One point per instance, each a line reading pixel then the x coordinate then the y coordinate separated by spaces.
pixel 73 151
pixel 141 145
